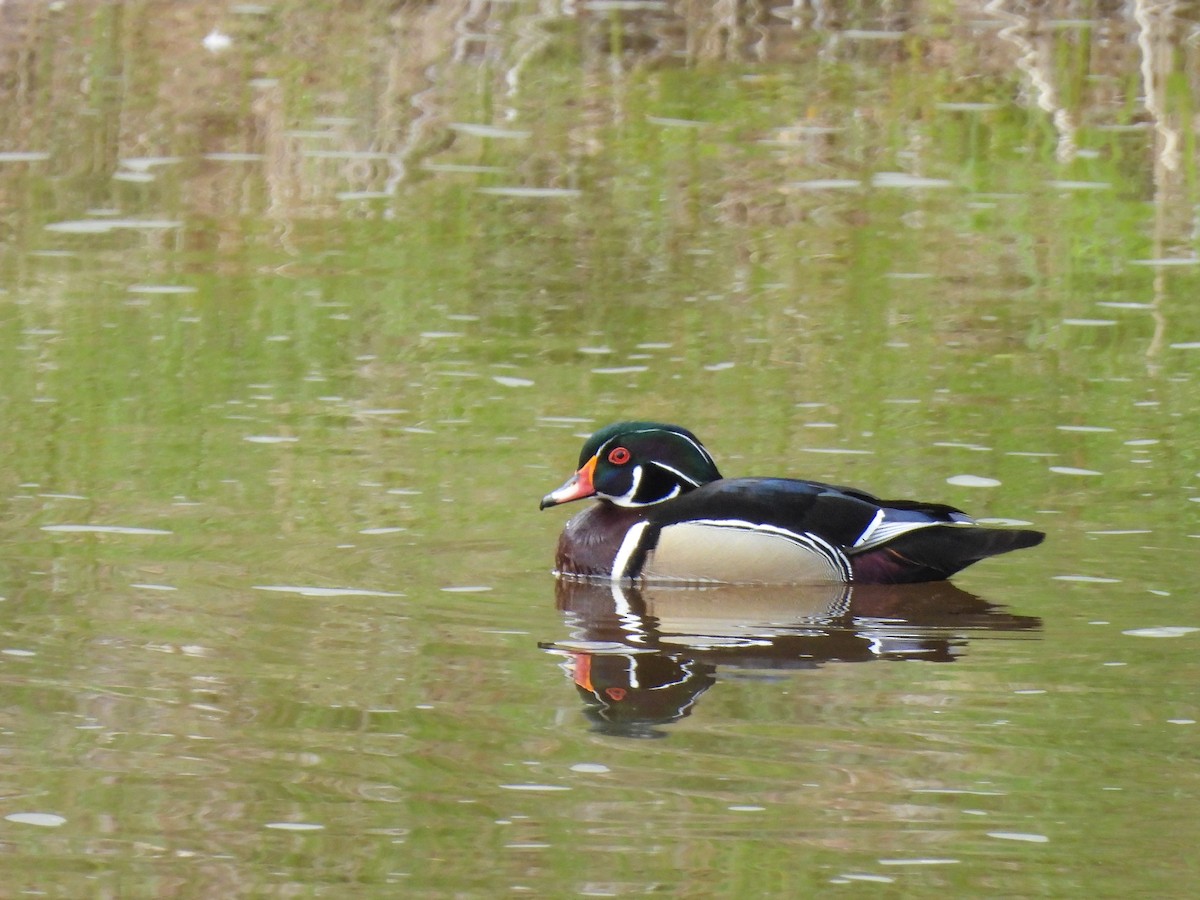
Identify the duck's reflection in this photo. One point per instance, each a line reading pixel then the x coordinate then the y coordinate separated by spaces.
pixel 641 657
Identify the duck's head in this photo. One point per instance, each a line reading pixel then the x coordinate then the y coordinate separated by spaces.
pixel 636 464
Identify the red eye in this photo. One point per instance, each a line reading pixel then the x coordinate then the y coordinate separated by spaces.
pixel 618 456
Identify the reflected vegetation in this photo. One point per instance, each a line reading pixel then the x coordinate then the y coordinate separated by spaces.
pixel 641 657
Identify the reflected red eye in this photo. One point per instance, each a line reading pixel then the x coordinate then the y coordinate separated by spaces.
pixel 618 456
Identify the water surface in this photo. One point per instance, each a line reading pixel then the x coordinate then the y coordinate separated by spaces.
pixel 304 306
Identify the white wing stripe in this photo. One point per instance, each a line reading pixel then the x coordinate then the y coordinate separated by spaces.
pixel 867 532
pixel 888 531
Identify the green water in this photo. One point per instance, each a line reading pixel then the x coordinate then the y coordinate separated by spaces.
pixel 297 333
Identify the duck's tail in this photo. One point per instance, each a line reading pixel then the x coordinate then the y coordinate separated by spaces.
pixel 937 552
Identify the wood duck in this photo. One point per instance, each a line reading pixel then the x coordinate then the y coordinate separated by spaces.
pixel 665 514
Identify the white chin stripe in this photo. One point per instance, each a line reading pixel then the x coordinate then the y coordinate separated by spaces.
pixel 627 499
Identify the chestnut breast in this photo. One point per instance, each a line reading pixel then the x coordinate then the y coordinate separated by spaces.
pixel 589 541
